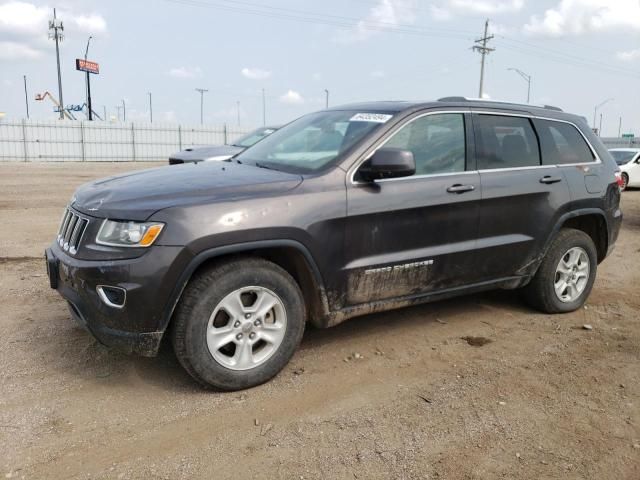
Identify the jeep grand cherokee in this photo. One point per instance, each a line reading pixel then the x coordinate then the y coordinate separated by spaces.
pixel 344 212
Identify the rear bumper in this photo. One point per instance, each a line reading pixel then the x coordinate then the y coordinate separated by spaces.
pixel 615 223
pixel 138 325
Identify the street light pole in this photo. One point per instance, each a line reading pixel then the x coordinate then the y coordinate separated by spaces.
pixel 202 92
pixel 124 111
pixel 88 81
pixel 326 100
pixel 150 107
pixel 527 79
pixel 55 27
pixel 595 111
pixel 26 97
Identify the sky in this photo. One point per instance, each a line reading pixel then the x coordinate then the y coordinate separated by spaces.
pixel 579 53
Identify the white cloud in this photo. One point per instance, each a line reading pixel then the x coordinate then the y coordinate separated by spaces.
pixel 24 27
pixel 292 98
pixel 446 9
pixel 185 72
pixel 629 55
pixel 377 74
pixel 386 14
pixel 255 73
pixel 576 17
pixel 487 6
pixel 18 51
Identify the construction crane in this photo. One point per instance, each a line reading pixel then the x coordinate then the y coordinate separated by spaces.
pixel 42 96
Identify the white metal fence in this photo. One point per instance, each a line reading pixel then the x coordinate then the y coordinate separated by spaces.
pixel 617 142
pixel 80 141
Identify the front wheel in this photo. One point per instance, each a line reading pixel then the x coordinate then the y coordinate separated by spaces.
pixel 238 323
pixel 566 275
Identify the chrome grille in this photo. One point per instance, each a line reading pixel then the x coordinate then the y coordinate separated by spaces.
pixel 71 230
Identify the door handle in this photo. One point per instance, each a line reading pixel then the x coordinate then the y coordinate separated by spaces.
pixel 457 188
pixel 549 179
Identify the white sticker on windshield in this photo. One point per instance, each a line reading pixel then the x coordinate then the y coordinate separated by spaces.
pixel 371 117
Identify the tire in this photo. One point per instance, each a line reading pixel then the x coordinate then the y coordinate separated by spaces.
pixel 255 283
pixel 541 291
pixel 625 181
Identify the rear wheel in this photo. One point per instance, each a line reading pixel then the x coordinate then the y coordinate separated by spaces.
pixel 238 324
pixel 566 276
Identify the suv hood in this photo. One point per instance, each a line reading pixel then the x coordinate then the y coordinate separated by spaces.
pixel 204 153
pixel 138 195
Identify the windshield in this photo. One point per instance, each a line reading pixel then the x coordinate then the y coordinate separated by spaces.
pixel 254 137
pixel 314 141
pixel 622 157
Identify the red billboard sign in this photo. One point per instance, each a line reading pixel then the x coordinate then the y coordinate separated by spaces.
pixel 87 66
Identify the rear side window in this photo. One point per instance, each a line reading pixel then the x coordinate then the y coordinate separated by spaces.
pixel 562 143
pixel 505 142
pixel 436 141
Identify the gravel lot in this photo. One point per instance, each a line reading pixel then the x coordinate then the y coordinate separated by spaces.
pixel 396 395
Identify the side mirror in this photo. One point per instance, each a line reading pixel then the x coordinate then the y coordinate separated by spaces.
pixel 388 163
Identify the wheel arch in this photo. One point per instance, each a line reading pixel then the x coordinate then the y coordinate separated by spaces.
pixel 591 221
pixel 290 255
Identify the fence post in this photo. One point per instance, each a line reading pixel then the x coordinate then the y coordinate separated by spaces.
pixel 225 133
pixel 82 140
pixel 24 139
pixel 133 141
pixel 179 137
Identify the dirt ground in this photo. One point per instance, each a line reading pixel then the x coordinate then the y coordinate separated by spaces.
pixel 399 395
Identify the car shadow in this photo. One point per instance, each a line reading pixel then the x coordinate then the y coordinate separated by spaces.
pixel 85 357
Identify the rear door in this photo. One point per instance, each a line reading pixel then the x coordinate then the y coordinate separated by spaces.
pixel 412 235
pixel 521 198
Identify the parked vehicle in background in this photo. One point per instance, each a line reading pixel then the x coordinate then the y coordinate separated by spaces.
pixel 628 159
pixel 344 212
pixel 221 152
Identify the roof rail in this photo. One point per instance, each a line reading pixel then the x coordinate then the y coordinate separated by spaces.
pixel 466 99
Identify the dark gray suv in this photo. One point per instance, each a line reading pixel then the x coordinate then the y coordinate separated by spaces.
pixel 344 212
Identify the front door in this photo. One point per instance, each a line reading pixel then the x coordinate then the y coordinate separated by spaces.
pixel 413 235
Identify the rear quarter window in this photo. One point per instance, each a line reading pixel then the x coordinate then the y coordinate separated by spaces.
pixel 561 143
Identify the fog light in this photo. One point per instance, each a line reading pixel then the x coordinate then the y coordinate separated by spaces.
pixel 114 297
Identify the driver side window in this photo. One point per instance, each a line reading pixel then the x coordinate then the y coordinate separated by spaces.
pixel 437 142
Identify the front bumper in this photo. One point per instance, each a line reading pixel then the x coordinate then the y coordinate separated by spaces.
pixel 137 326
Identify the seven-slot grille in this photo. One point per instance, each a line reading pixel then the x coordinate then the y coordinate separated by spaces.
pixel 71 230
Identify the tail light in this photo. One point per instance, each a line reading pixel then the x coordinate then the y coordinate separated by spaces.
pixel 619 179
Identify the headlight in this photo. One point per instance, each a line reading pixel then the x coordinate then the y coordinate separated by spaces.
pixel 128 234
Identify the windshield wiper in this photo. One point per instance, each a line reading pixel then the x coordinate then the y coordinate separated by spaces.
pixel 262 165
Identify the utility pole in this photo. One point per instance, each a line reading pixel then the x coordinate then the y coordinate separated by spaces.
pixel 118 108
pixel 326 99
pixel 88 81
pixel 26 97
pixel 620 128
pixel 595 111
pixel 264 109
pixel 55 29
pixel 124 111
pixel 202 92
pixel 238 105
pixel 527 78
pixel 104 110
pixel 150 107
pixel 481 46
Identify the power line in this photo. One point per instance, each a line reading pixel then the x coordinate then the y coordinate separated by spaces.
pixel 481 47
